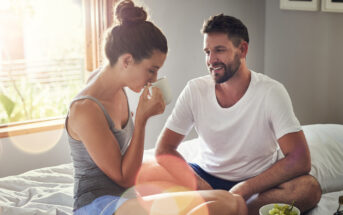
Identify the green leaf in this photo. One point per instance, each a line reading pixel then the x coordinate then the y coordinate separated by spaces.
pixel 17 117
pixel 8 104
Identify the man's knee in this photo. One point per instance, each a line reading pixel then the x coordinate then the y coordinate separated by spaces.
pixel 315 190
pixel 305 188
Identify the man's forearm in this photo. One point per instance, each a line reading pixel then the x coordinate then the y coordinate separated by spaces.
pixel 297 162
pixel 178 167
pixel 282 171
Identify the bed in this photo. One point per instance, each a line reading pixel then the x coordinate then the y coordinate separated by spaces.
pixel 49 190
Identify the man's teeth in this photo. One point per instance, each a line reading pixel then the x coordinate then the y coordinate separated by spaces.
pixel 217 68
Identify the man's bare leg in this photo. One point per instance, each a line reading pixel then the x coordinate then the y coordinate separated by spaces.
pixel 304 190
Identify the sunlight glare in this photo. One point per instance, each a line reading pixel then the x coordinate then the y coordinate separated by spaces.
pixel 37 143
pixel 5 4
pixel 153 179
pixel 49 29
pixel 0 47
pixel 179 174
pixel 174 203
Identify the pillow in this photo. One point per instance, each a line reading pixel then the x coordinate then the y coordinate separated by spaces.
pixel 326 146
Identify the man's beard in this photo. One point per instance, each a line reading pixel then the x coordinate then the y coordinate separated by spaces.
pixel 229 70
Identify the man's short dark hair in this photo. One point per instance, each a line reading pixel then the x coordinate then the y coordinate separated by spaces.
pixel 233 27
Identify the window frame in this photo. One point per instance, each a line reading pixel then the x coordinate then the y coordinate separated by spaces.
pixel 98 16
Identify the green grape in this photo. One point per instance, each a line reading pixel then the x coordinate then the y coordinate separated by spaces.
pixel 281 210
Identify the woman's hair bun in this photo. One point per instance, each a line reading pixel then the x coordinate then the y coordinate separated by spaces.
pixel 126 12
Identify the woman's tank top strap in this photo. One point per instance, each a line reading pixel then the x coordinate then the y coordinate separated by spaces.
pixel 108 118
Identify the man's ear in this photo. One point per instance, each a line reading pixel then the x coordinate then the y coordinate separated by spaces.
pixel 243 47
pixel 126 60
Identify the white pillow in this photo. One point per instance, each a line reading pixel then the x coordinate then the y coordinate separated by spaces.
pixel 326 146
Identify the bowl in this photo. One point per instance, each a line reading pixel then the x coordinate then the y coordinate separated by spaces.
pixel 264 210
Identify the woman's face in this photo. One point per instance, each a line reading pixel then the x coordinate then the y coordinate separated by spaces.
pixel 146 70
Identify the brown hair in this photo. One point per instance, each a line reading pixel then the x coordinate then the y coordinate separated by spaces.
pixel 133 34
pixel 233 27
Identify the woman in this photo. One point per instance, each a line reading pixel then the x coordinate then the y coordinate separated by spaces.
pixel 106 148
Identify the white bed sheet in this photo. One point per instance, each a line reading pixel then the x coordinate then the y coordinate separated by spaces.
pixel 45 191
pixel 327 205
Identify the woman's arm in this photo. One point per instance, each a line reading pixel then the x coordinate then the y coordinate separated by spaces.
pixel 91 127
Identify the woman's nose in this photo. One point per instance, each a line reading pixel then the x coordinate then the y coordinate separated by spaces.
pixel 154 78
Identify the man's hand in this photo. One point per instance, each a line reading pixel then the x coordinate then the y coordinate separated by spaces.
pixel 242 189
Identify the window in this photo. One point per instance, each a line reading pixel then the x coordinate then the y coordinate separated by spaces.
pixel 46 49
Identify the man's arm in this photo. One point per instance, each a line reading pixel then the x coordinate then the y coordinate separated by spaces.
pixel 296 162
pixel 167 145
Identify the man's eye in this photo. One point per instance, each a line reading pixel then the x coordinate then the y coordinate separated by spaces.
pixel 152 71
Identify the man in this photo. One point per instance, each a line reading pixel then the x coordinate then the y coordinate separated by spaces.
pixel 250 141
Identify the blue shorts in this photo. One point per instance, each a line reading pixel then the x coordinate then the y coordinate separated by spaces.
pixel 216 183
pixel 103 205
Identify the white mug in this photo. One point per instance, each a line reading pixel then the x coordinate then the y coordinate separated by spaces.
pixel 164 86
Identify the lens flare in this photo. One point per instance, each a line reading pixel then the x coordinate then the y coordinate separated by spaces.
pixel 177 172
pixel 174 203
pixel 179 203
pixel 37 143
pixel 5 4
pixel 164 191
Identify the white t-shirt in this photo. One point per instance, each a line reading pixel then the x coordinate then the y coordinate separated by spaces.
pixel 238 142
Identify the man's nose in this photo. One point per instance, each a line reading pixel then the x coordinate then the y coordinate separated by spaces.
pixel 212 58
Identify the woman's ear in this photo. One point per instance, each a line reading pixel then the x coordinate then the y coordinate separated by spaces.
pixel 126 60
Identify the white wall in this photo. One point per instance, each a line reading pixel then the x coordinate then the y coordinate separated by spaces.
pixel 22 153
pixel 304 51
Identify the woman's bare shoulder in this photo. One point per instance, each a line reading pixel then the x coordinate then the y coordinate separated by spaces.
pixel 84 114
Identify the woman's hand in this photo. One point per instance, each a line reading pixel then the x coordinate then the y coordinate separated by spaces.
pixel 150 104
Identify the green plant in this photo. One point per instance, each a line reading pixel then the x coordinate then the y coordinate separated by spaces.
pixel 7 104
pixel 28 101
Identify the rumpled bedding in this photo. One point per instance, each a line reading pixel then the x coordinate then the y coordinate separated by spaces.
pixel 47 191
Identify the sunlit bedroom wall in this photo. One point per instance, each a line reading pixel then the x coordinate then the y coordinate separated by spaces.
pixel 25 152
pixel 304 51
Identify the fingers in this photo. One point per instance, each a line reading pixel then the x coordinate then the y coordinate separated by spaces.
pixel 151 101
pixel 145 92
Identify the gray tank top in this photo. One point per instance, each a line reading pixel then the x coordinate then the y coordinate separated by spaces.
pixel 89 181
